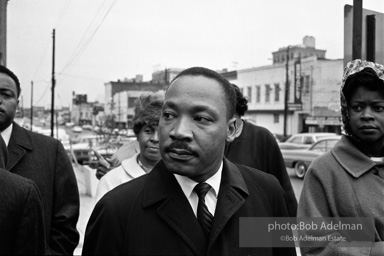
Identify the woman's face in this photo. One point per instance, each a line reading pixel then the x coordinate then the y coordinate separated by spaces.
pixel 366 112
pixel 149 142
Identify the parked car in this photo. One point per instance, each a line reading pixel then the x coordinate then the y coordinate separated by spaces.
pixel 79 153
pixel 87 127
pixel 70 124
pixel 300 159
pixel 304 140
pixel 77 129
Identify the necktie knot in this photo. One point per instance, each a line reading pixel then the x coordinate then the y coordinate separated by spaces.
pixel 202 189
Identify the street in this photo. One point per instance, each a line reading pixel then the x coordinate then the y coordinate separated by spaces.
pixel 297 183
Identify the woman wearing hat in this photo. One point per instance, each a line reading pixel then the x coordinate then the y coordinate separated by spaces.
pixel 348 181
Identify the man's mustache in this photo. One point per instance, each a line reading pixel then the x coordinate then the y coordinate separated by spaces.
pixel 180 145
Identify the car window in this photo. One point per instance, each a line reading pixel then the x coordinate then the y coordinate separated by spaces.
pixel 296 140
pixel 320 146
pixel 324 145
pixel 330 144
pixel 308 140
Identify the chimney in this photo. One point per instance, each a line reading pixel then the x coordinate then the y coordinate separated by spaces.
pixel 309 41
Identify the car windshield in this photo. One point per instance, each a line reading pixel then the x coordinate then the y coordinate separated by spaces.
pixel 324 145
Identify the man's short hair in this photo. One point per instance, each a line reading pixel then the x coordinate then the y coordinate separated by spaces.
pixel 229 93
pixel 8 72
pixel 241 101
pixel 147 110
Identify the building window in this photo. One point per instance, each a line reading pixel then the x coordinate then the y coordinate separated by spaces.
pixel 277 92
pixel 249 94
pixel 307 83
pixel 276 118
pixel 131 102
pixel 257 93
pixel 267 92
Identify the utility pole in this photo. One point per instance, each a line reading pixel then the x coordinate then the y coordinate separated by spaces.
pixel 3 32
pixel 53 85
pixel 371 37
pixel 357 30
pixel 286 93
pixel 31 104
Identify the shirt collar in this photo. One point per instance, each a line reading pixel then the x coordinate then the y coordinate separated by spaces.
pixel 6 134
pixel 187 184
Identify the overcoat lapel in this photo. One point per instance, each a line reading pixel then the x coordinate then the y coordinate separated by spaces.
pixel 18 146
pixel 232 194
pixel 174 209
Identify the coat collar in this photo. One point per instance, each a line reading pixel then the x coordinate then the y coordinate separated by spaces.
pixel 350 158
pixel 131 167
pixel 19 144
pixel 161 188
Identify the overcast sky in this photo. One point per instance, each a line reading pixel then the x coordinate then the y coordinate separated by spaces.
pixel 98 41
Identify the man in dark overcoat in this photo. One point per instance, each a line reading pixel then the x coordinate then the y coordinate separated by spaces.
pixel 192 201
pixel 43 160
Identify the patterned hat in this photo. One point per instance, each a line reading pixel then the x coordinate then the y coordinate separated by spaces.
pixel 351 68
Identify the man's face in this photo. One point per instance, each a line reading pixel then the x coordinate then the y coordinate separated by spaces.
pixel 194 128
pixel 8 100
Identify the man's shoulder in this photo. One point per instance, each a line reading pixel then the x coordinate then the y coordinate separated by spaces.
pixel 257 130
pixel 126 191
pixel 259 178
pixel 10 181
pixel 33 136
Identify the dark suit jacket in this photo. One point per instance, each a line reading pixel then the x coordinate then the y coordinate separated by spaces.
pixel 44 160
pixel 257 148
pixel 21 216
pixel 150 215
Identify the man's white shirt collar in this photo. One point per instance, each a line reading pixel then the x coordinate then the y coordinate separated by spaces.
pixel 6 134
pixel 187 185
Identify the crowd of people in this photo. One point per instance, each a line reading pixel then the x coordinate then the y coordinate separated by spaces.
pixel 195 170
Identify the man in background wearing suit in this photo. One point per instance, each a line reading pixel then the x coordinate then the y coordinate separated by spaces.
pixel 43 160
pixel 191 202
pixel 21 213
pixel 256 147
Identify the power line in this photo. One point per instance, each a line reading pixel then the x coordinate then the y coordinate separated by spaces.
pixel 42 96
pixel 62 13
pixel 89 34
pixel 81 77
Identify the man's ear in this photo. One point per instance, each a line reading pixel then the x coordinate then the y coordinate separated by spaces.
pixel 231 130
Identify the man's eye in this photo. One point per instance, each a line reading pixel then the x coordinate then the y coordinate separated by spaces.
pixel 379 108
pixel 6 95
pixel 168 116
pixel 202 119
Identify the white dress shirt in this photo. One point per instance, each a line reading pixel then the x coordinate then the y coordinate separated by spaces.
pixel 187 185
pixel 6 134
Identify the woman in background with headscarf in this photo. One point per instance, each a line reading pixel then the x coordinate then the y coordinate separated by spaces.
pixel 348 181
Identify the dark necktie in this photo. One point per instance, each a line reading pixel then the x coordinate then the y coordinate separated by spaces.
pixel 203 215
